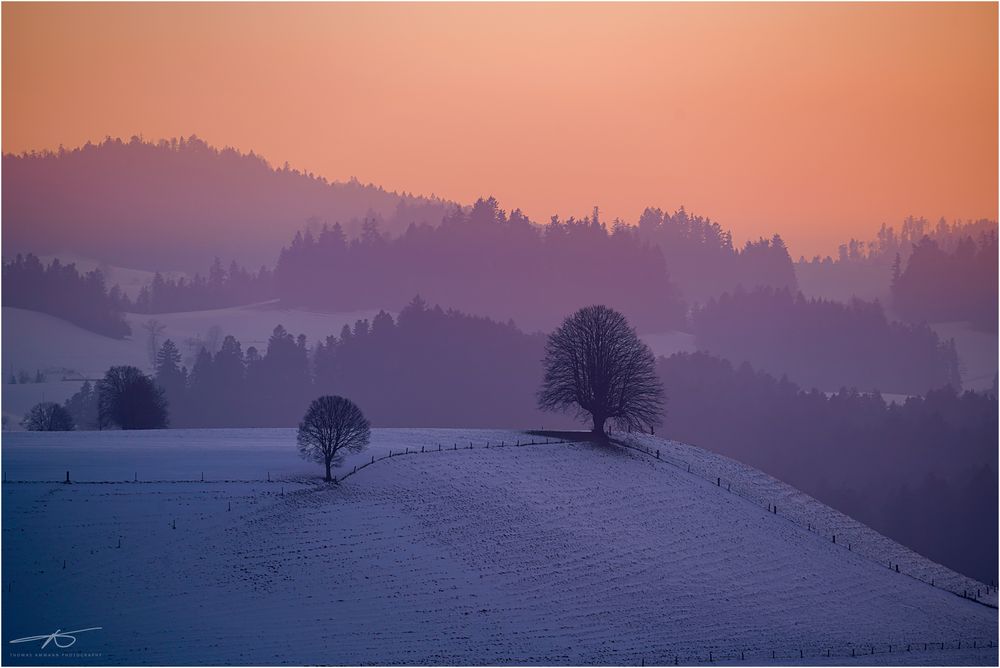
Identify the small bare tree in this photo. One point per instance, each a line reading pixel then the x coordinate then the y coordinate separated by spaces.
pixel 48 416
pixel 331 426
pixel 596 365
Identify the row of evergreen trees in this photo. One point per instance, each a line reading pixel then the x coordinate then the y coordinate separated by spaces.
pixel 923 472
pixel 475 260
pixel 487 262
pixel 888 242
pixel 61 290
pixel 703 260
pixel 221 288
pixel 428 367
pixel 826 344
pixel 938 285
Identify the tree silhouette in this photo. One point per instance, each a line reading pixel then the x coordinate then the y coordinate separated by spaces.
pixel 48 416
pixel 330 426
pixel 825 344
pixel 128 399
pixel 60 290
pixel 168 365
pixel 595 362
pixel 82 407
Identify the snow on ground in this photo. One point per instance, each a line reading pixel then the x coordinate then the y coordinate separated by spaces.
pixel 544 554
pixel 667 343
pixel 221 454
pixel 802 509
pixel 18 399
pixel 977 353
pixel 67 354
pixel 131 281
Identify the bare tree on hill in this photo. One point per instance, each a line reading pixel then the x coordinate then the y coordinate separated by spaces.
pixel 331 426
pixel 596 365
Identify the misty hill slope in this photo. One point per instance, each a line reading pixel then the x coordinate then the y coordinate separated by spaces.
pixel 176 205
pixel 34 341
pixel 543 554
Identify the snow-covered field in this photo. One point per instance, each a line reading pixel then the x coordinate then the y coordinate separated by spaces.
pixel 67 354
pixel 977 353
pixel 541 554
pixel 667 343
pixel 33 340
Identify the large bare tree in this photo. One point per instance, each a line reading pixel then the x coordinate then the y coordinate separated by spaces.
pixel 331 426
pixel 596 365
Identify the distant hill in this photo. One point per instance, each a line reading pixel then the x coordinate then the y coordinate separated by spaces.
pixel 175 205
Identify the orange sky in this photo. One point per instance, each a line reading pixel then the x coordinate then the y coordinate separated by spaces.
pixel 817 121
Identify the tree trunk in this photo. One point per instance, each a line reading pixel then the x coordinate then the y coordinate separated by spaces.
pixel 599 421
pixel 329 478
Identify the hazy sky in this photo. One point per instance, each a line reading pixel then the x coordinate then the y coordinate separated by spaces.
pixel 816 121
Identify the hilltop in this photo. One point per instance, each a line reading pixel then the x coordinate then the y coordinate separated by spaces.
pixel 175 205
pixel 559 553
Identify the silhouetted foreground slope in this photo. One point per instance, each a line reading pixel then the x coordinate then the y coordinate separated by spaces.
pixel 543 554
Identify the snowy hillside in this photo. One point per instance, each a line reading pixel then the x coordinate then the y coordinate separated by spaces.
pixel 538 554
pixel 67 354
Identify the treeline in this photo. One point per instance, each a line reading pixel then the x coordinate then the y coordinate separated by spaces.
pixel 125 398
pixel 863 268
pixel 826 344
pixel 476 260
pixel 222 288
pixel 427 368
pixel 486 262
pixel 927 464
pixel 703 261
pixel 938 285
pixel 177 203
pixel 923 472
pixel 887 243
pixel 62 291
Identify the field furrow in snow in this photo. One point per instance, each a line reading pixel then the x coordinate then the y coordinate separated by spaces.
pixel 562 554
